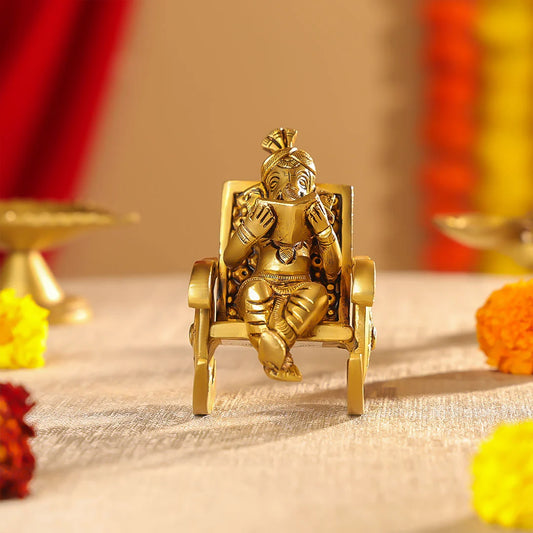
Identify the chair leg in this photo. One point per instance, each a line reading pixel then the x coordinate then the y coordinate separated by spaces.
pixel 203 395
pixel 355 384
pixel 359 358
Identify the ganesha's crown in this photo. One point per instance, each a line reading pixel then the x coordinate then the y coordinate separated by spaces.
pixel 279 139
pixel 279 143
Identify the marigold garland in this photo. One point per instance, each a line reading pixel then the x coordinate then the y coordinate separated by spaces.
pixel 23 331
pixel 505 142
pixel 503 476
pixel 505 328
pixel 17 462
pixel 478 134
pixel 448 173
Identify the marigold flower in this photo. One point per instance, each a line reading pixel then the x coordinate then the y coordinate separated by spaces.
pixel 16 459
pixel 503 476
pixel 23 331
pixel 505 328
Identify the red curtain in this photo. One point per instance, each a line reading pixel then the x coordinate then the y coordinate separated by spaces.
pixel 55 57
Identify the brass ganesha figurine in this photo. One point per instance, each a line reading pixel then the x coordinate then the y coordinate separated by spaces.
pixel 280 302
pixel 284 274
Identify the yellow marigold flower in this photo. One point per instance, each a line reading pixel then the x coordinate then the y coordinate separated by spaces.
pixel 505 328
pixel 503 476
pixel 23 331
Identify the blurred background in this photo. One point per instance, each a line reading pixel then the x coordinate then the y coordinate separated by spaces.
pixel 150 105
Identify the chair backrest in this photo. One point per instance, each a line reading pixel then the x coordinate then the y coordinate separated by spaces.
pixel 341 197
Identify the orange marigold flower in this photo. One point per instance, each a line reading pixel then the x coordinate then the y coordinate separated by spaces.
pixel 505 328
pixel 16 459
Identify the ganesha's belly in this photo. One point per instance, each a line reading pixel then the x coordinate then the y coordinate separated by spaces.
pixel 269 261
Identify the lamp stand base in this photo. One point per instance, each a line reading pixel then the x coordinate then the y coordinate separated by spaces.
pixel 26 271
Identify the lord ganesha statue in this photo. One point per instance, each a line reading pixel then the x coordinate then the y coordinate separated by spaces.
pixel 283 220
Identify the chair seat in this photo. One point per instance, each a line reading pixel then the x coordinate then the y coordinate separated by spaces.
pixel 330 333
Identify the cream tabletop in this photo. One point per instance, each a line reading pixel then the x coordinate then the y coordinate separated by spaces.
pixel 118 448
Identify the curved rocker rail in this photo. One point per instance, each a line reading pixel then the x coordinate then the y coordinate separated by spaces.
pixel 201 299
pixel 362 295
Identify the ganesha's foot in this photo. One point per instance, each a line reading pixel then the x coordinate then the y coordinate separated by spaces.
pixel 288 372
pixel 277 362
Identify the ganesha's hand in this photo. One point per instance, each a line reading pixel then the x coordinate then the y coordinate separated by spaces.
pixel 258 222
pixel 317 217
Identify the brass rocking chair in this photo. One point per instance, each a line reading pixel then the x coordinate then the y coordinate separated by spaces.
pixel 347 324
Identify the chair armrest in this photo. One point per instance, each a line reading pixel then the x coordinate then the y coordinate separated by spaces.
pixel 363 281
pixel 202 283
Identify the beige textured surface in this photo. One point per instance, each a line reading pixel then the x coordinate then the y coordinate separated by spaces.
pixel 119 449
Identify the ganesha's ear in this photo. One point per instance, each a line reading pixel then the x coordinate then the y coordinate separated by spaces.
pixel 250 195
pixel 257 191
pixel 278 139
pixel 328 201
pixel 245 201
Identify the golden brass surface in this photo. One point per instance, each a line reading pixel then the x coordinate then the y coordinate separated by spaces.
pixel 285 275
pixel 26 228
pixel 510 236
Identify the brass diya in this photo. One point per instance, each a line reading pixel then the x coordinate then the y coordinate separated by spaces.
pixel 510 236
pixel 27 227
